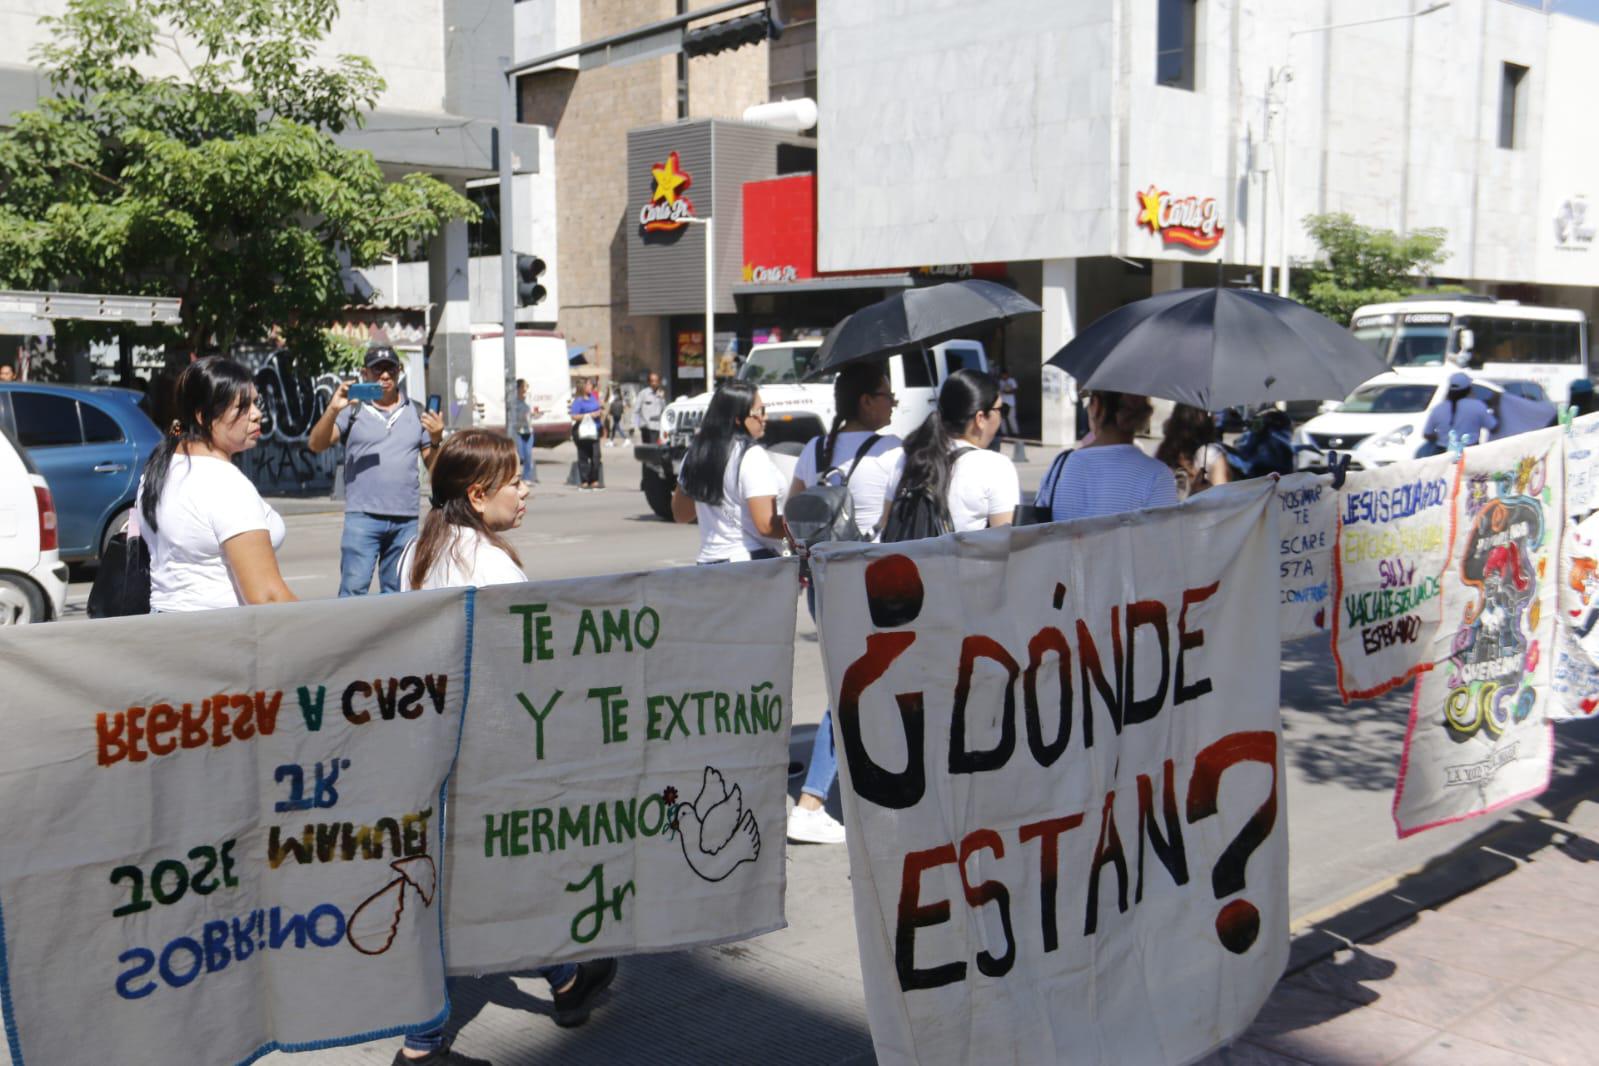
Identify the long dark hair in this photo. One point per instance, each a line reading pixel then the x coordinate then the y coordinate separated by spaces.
pixel 470 457
pixel 927 450
pixel 1185 432
pixel 207 390
pixel 722 428
pixel 853 384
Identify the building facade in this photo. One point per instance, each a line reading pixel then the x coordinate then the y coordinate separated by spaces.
pixel 1108 149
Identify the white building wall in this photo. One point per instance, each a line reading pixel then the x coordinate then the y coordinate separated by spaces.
pixel 1022 129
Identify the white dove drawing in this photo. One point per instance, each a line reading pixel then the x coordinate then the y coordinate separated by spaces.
pixel 718 834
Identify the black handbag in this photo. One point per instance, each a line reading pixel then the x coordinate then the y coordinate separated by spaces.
pixel 122 584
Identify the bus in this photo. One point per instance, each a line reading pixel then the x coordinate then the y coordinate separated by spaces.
pixel 1503 338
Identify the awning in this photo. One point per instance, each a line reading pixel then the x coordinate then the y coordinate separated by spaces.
pixel 829 283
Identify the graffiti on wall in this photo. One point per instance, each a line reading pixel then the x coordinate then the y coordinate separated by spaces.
pixel 290 406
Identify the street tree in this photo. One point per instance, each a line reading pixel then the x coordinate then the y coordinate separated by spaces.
pixel 222 186
pixel 1362 265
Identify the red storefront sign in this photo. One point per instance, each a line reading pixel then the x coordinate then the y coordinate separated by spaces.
pixel 780 237
pixel 1191 221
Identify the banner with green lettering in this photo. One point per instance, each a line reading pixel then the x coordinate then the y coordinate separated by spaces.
pixel 223 830
pixel 628 745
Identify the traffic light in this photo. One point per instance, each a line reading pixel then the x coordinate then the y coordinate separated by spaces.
pixel 735 33
pixel 528 290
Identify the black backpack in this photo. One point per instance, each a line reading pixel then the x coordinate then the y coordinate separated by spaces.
pixel 826 512
pixel 916 515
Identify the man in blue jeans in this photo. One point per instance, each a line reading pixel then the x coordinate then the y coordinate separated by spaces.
pixel 382 441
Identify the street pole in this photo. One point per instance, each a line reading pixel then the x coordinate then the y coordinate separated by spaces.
pixel 710 305
pixel 1282 199
pixel 507 234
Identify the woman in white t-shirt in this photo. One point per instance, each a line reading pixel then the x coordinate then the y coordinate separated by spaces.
pixel 863 404
pixel 1191 447
pixel 477 494
pixel 213 540
pixel 729 485
pixel 948 456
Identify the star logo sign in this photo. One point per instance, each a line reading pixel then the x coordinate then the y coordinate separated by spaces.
pixel 669 179
pixel 668 209
pixel 1191 221
pixel 1149 208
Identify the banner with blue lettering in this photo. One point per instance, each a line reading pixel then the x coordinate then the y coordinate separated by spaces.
pixel 1306 525
pixel 1477 738
pixel 1060 755
pixel 1393 535
pixel 222 830
pixel 628 751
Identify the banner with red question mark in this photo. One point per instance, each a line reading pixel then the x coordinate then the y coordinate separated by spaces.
pixel 1059 749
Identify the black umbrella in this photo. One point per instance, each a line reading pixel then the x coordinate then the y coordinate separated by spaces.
pixel 918 318
pixel 1216 348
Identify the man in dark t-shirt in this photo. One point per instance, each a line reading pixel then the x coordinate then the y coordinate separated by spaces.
pixel 382 441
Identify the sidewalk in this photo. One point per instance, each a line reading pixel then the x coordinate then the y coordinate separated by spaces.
pixel 1507 972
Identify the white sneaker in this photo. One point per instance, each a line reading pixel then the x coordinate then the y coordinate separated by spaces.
pixel 814 827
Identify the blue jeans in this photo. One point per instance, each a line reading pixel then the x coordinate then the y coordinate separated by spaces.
pixel 372 540
pixel 433 1039
pixel 823 768
pixel 524 448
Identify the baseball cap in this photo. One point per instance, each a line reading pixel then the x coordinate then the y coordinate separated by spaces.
pixel 378 355
pixel 1457 380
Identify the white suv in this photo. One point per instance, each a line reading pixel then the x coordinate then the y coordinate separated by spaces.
pixel 33 579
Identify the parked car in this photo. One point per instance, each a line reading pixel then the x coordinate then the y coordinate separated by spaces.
pixel 1381 421
pixel 33 579
pixel 91 443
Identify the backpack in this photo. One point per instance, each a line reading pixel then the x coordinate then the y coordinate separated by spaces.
pixel 826 512
pixel 916 515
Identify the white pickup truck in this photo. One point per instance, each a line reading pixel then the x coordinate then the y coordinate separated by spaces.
pixel 798 410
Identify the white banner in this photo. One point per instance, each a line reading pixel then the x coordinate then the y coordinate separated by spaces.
pixel 1477 738
pixel 1393 538
pixel 628 744
pixel 1582 466
pixel 1306 528
pixel 1060 750
pixel 1574 684
pixel 223 830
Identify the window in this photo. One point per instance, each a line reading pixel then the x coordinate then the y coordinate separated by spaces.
pixel 1521 340
pixel 483 236
pixel 45 421
pixel 1175 51
pixel 918 369
pixel 1512 104
pixel 99 427
pixel 962 359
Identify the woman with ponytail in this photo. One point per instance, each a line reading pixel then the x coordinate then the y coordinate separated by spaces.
pixel 947 457
pixel 863 405
pixel 478 494
pixel 213 540
pixel 729 485
pixel 863 402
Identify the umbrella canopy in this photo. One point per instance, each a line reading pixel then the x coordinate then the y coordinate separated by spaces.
pixel 917 318
pixel 1216 348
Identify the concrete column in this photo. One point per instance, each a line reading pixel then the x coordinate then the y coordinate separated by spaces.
pixel 1164 276
pixel 1058 393
pixel 450 292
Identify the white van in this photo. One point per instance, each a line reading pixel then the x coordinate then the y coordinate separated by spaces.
pixel 33 579
pixel 542 362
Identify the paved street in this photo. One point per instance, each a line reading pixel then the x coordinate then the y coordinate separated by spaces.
pixel 795 996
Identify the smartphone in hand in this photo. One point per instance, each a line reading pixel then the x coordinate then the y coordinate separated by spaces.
pixel 365 392
pixel 435 403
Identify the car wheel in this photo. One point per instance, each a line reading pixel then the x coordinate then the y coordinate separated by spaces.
pixel 21 601
pixel 118 524
pixel 658 491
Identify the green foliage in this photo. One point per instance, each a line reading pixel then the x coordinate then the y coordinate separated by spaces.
pixel 223 187
pixel 1362 265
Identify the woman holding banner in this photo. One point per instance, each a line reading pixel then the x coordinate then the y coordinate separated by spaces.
pixel 729 485
pixel 1192 449
pixel 1111 474
pixel 478 495
pixel 864 402
pixel 213 540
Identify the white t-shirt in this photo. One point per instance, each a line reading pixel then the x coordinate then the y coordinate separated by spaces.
pixel 868 488
pixel 981 483
pixel 726 532
pixel 468 560
pixel 205 502
pixel 1110 479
